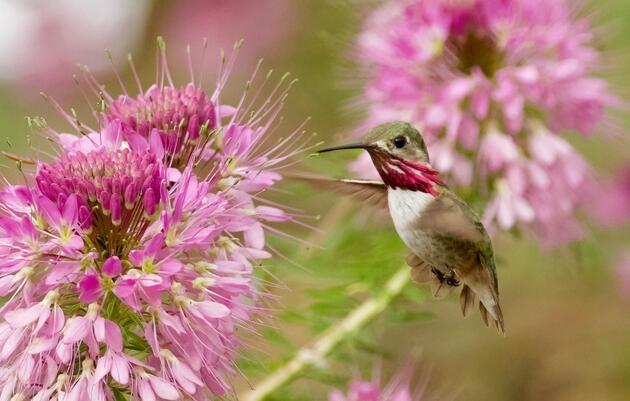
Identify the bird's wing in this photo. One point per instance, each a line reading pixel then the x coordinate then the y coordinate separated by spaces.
pixel 373 193
pixel 448 215
pixel 420 270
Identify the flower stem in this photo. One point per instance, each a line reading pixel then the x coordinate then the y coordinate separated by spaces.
pixel 314 353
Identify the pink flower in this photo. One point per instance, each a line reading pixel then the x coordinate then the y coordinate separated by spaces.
pixel 70 37
pixel 492 84
pixel 90 329
pixel 610 201
pixel 497 151
pixel 116 364
pixel 64 222
pixel 223 22
pixel 398 389
pixel 165 118
pixel 150 277
pixel 150 387
pixel 138 241
pixel 508 207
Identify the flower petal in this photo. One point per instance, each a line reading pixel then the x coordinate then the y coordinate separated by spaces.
pixel 76 329
pixel 112 266
pixel 71 210
pixel 145 391
pixel 103 366
pixel 50 211
pixel 163 389
pixel 124 287
pixel 120 370
pixel 89 289
pixel 113 336
pixel 213 310
pixel 23 317
pixel 170 266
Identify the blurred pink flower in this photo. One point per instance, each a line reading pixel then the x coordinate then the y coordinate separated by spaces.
pixel 41 42
pixel 398 389
pixel 611 200
pixel 492 84
pixel 265 25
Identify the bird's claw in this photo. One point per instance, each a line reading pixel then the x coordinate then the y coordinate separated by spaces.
pixel 448 278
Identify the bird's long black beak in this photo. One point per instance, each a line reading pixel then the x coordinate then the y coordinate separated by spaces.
pixel 343 147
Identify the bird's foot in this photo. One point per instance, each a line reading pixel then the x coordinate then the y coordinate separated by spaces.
pixel 446 278
pixel 438 274
pixel 452 280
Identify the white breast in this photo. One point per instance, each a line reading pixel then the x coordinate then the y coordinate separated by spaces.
pixel 406 207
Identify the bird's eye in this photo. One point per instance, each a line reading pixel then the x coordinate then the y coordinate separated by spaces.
pixel 400 141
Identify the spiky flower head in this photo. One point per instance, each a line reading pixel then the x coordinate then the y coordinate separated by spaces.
pixel 181 116
pixel 116 184
pixel 492 84
pixel 127 262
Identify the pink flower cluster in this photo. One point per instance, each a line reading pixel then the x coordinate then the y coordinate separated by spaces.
pixel 492 84
pixel 126 262
pixel 398 389
pixel 611 207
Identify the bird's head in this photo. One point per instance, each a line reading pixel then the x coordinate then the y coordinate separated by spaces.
pixel 400 156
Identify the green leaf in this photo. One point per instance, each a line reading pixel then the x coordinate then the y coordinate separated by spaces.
pixel 277 337
pixel 118 394
pixel 406 316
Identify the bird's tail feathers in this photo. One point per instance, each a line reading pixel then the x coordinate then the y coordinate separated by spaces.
pixel 467 300
pixel 483 288
pixel 492 313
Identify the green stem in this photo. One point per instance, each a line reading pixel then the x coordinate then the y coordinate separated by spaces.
pixel 314 353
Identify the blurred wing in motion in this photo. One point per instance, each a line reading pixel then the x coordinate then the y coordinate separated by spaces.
pixel 420 270
pixel 373 193
pixel 449 216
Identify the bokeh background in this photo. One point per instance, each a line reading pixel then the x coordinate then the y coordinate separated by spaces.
pixel 566 310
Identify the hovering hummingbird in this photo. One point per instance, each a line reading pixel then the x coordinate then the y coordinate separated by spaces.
pixel 448 243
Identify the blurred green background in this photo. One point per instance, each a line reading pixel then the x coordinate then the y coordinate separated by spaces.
pixel 567 322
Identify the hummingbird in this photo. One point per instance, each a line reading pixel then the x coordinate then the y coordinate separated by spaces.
pixel 448 244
